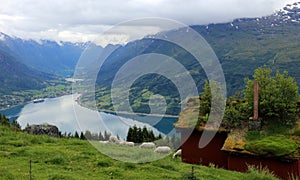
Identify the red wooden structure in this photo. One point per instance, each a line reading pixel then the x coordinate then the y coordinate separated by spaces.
pixel 212 153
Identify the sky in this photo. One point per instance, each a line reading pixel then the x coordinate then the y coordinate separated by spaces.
pixel 84 20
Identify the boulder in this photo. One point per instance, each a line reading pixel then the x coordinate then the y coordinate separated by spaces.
pixel 43 129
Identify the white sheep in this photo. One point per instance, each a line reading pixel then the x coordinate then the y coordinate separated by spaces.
pixel 113 139
pixel 131 144
pixel 147 145
pixel 103 142
pixel 121 142
pixel 177 153
pixel 163 149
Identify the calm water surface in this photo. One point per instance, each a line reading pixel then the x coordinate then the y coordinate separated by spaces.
pixel 68 116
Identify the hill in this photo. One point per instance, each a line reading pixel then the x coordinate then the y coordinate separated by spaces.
pixel 241 46
pixel 63 158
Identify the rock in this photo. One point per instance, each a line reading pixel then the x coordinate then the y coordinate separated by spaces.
pixel 254 125
pixel 43 129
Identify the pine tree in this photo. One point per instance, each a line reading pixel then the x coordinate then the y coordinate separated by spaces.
pixel 129 135
pixel 139 135
pixel 135 134
pixel 151 136
pixel 88 135
pixel 70 135
pixel 95 137
pixel 101 138
pixel 106 135
pixel 145 135
pixel 76 135
pixel 82 136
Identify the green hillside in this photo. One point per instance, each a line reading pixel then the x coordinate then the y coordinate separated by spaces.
pixel 241 47
pixel 63 158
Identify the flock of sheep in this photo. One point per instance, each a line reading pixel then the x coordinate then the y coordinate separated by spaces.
pixel 145 145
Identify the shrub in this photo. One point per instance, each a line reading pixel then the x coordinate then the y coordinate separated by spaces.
pixel 260 173
pixel 272 145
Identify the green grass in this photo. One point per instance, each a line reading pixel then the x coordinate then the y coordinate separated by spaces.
pixel 272 145
pixel 54 158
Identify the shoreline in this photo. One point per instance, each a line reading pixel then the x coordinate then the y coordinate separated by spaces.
pixel 77 100
pixel 141 114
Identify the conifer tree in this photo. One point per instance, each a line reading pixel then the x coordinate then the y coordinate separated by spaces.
pixel 76 135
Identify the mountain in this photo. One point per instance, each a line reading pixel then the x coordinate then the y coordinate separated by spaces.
pixel 16 76
pixel 47 56
pixel 241 46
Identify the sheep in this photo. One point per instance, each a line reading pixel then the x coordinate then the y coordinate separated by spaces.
pixel 121 142
pixel 163 149
pixel 113 139
pixel 177 153
pixel 131 144
pixel 147 145
pixel 103 142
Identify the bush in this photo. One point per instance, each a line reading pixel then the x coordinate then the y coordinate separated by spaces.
pixel 272 145
pixel 260 173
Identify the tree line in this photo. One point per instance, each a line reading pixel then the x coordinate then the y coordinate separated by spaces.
pixel 278 100
pixel 4 121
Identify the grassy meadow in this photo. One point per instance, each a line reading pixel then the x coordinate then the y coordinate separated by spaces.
pixel 54 158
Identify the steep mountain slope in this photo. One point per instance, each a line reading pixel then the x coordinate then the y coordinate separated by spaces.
pixel 16 76
pixel 47 56
pixel 241 46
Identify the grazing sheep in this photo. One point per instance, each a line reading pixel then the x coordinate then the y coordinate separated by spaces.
pixel 163 149
pixel 113 139
pixel 121 142
pixel 147 145
pixel 103 142
pixel 131 144
pixel 177 153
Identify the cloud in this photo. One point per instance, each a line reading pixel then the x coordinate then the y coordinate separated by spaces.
pixel 76 20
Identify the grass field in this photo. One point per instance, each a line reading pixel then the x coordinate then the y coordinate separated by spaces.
pixel 54 158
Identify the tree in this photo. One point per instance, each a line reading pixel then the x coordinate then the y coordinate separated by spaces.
pixel 278 96
pixel 4 121
pixel 145 134
pixel 101 137
pixel 88 134
pixel 82 136
pixel 70 135
pixel 129 135
pixel 76 135
pixel 106 135
pixel 15 125
pixel 205 100
pixel 236 112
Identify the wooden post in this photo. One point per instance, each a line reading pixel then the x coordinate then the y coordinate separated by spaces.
pixel 255 115
pixel 193 172
pixel 30 173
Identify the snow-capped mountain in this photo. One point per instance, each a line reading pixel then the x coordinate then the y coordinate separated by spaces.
pixel 45 55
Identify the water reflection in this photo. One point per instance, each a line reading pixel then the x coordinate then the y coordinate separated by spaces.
pixel 70 117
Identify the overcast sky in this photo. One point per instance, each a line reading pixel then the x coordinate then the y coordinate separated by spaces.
pixel 83 20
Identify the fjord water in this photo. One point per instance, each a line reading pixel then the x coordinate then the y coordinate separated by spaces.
pixel 68 116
